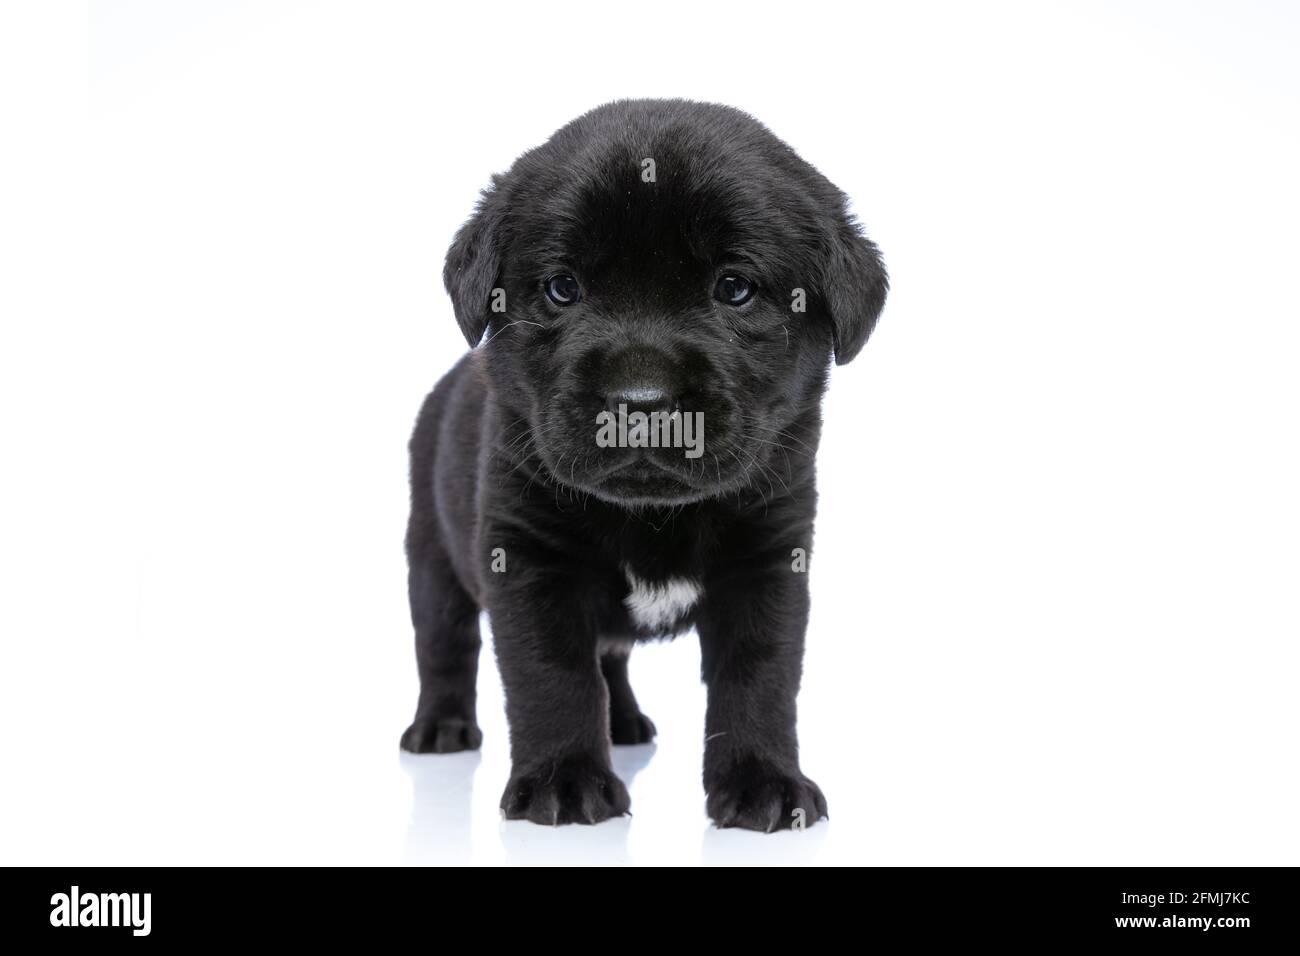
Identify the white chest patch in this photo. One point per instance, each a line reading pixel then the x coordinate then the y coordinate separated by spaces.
pixel 657 607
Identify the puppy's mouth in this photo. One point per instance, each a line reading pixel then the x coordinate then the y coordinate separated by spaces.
pixel 665 460
pixel 641 478
pixel 637 468
pixel 638 477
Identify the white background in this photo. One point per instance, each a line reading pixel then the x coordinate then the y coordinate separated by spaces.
pixel 1055 608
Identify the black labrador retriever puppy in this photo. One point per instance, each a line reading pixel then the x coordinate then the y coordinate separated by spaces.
pixel 653 298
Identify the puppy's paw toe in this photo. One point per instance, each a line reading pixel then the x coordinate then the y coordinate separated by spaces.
pixel 445 735
pixel 758 797
pixel 572 790
pixel 634 728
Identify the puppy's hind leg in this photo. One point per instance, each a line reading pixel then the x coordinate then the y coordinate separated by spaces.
pixel 627 725
pixel 447 646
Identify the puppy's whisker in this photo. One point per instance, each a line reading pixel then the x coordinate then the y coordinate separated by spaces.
pixel 509 325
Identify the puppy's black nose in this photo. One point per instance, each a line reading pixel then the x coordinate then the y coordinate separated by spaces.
pixel 644 398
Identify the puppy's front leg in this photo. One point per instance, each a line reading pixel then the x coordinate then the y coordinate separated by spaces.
pixel 752 635
pixel 557 706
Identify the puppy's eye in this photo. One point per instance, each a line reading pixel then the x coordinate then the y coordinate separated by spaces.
pixel 733 290
pixel 563 289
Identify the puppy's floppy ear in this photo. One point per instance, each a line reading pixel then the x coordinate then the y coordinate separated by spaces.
pixel 854 286
pixel 474 263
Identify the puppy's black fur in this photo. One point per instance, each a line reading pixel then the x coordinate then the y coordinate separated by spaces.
pixel 516 510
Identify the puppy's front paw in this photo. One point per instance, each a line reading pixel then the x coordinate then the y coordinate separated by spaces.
pixel 444 736
pixel 577 789
pixel 755 796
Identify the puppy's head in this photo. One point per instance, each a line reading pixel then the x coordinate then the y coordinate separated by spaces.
pixel 672 259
